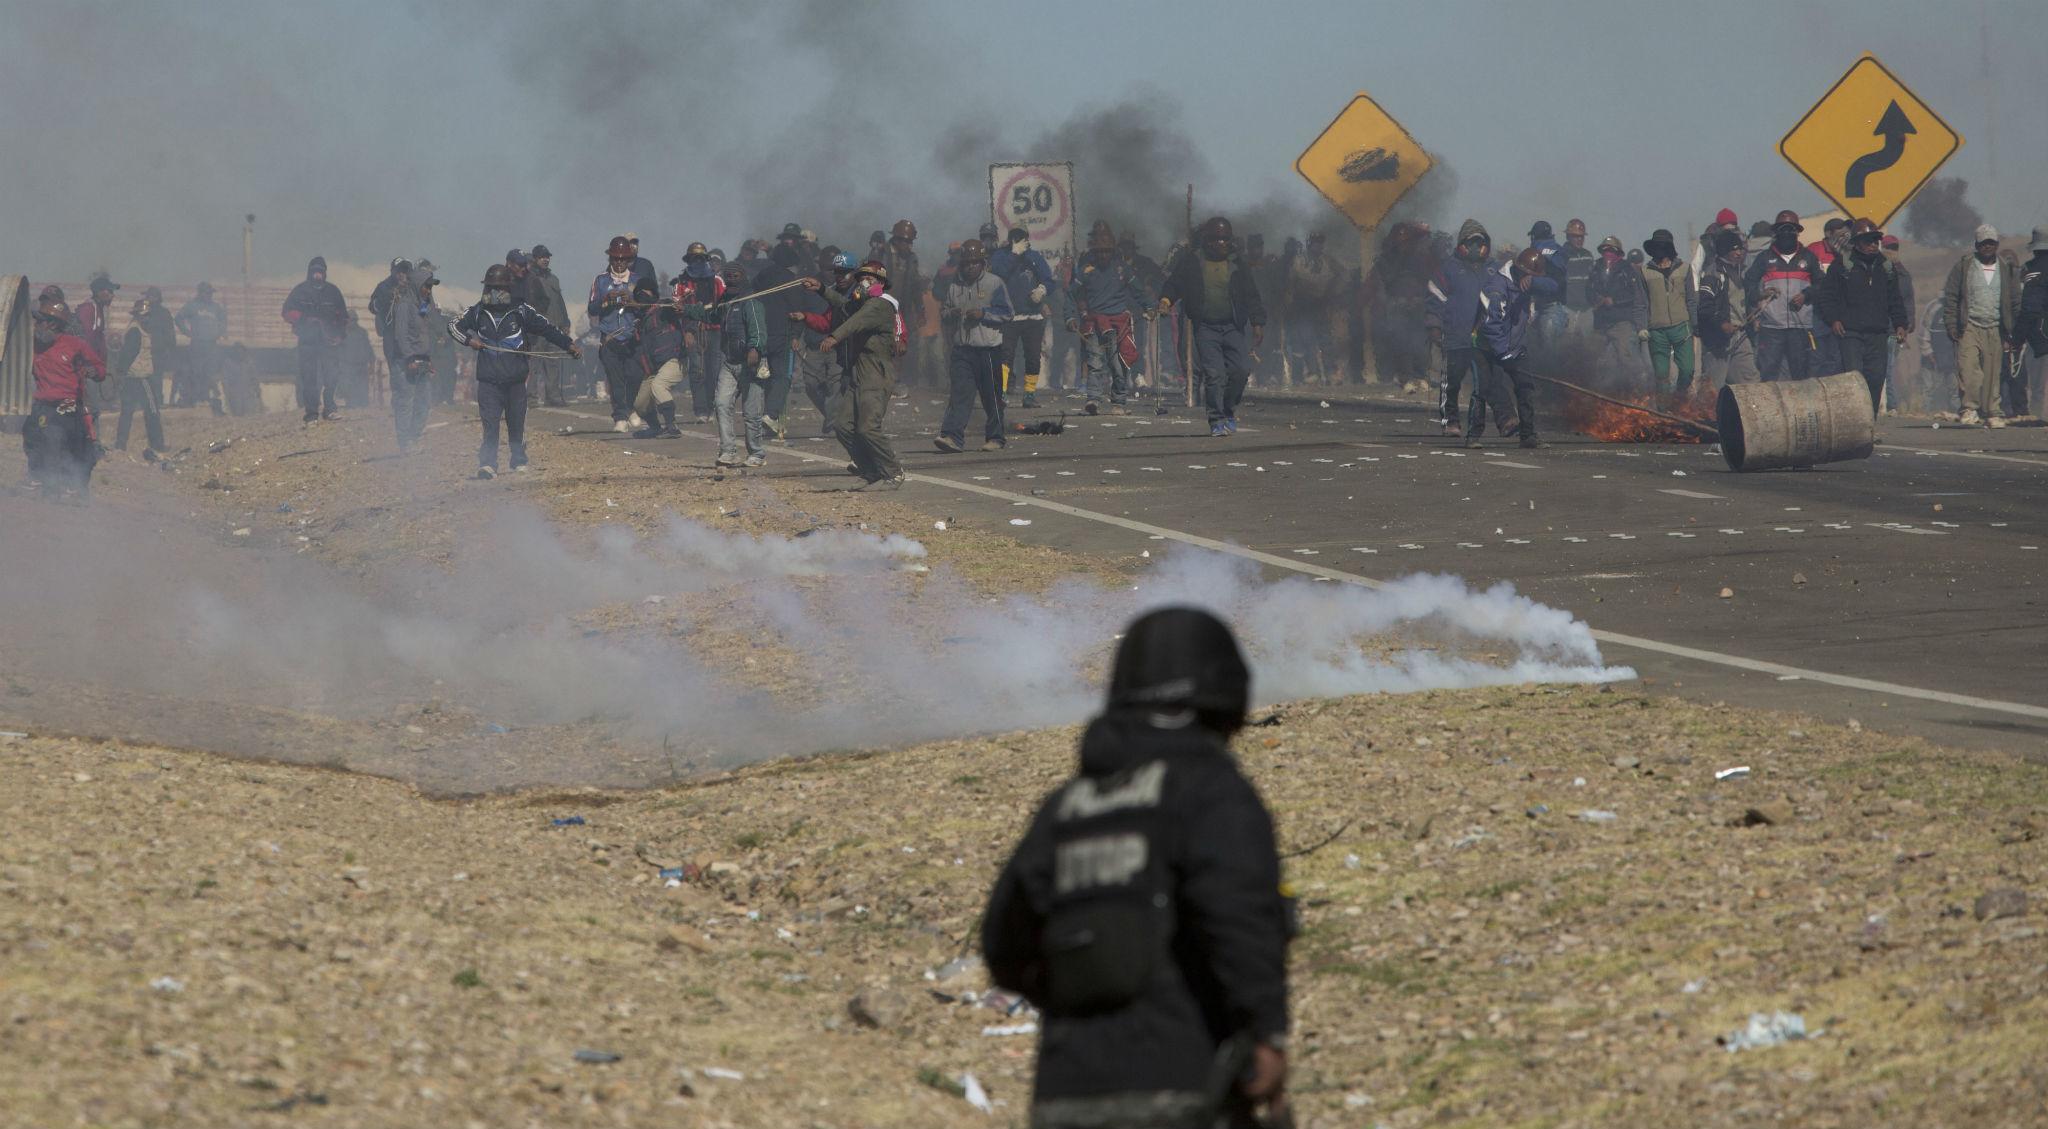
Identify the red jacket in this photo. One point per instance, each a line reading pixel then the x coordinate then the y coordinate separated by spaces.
pixel 62 369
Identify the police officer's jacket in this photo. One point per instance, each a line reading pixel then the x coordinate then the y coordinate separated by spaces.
pixel 1142 913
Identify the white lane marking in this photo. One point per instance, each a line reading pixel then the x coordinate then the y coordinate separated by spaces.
pixel 1694 494
pixel 1675 650
pixel 1976 455
pixel 1901 527
pixel 1512 463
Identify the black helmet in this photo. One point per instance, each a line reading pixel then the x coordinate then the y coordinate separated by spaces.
pixel 988 233
pixel 1182 658
pixel 498 277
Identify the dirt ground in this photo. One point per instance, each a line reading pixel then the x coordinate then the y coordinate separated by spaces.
pixel 191 938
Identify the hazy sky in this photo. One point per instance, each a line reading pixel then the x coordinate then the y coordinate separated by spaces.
pixel 138 134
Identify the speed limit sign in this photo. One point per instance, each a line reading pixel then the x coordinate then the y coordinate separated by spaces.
pixel 1039 198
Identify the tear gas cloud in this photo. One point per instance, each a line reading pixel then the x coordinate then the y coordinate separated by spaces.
pixel 737 648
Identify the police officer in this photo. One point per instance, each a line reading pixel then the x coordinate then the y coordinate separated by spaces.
pixel 1142 912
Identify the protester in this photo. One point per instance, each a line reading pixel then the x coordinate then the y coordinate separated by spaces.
pixel 1890 243
pixel 1578 271
pixel 1670 311
pixel 865 334
pixel 975 308
pixel 1146 279
pixel 1309 283
pixel 1030 281
pixel 1551 314
pixel 660 357
pixel 1722 312
pixel 1221 301
pixel 2033 320
pixel 358 357
pixel 136 364
pixel 1832 246
pixel 742 333
pixel 1099 303
pixel 1980 310
pixel 907 285
pixel 498 329
pixel 1865 309
pixel 701 287
pixel 319 318
pixel 613 297
pixel 1778 282
pixel 1452 320
pixel 1509 301
pixel 779 270
pixel 1620 302
pixel 90 322
pixel 57 438
pixel 203 321
pixel 415 322
pixel 1142 912
pixel 383 301
pixel 544 294
pixel 1402 349
pixel 815 369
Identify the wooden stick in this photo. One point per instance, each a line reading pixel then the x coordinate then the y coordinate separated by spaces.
pixel 1696 425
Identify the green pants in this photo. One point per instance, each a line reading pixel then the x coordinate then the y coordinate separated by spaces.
pixel 1668 343
pixel 857 413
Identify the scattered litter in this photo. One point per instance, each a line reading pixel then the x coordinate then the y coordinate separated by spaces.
pixel 721 1072
pixel 939 525
pixel 284 507
pixel 1595 815
pixel 1353 862
pixel 1736 773
pixel 167 985
pixel 1009 1029
pixel 1578 782
pixel 1694 987
pixel 569 821
pixel 590 1056
pixel 242 532
pixel 1767 1031
pixel 977 1097
pixel 1727 593
pixel 610 505
pixel 1537 810
pixel 1322 403
pixel 654 599
pixel 1678 474
pixel 12 735
pixel 1020 521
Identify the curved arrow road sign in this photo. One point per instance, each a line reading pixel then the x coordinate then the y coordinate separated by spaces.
pixel 1869 143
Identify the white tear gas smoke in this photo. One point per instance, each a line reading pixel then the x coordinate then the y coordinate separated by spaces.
pixel 739 648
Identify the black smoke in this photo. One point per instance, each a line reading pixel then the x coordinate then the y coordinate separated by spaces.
pixel 1941 214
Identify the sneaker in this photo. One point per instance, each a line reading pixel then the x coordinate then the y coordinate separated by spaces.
pixel 622 427
pixel 1452 429
pixel 310 417
pixel 1531 443
pixel 1473 444
pixel 882 484
pixel 330 414
pixel 1030 400
pixel 1218 431
pixel 994 445
pixel 776 427
pixel 647 433
pixel 727 460
pixel 1995 421
pixel 636 421
pixel 672 432
pixel 948 444
pixel 486 472
pixel 1970 418
pixel 1230 425
pixel 1091 408
pixel 854 469
pixel 757 460
pixel 1118 410
pixel 520 469
pixel 703 419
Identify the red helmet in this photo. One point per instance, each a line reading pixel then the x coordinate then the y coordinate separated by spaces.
pixel 904 230
pixel 620 248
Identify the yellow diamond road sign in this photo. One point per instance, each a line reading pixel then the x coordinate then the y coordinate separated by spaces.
pixel 1870 143
pixel 1364 162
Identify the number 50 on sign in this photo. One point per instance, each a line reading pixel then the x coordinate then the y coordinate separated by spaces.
pixel 1037 197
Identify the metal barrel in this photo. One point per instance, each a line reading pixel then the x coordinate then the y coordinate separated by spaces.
pixel 17 346
pixel 1796 423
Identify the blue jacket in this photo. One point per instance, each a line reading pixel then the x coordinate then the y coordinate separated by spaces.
pixel 1453 303
pixel 1021 273
pixel 1099 289
pixel 1508 311
pixel 506 329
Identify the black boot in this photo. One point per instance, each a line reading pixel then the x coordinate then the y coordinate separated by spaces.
pixel 669 430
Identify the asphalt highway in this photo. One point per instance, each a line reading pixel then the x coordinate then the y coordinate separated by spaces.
pixel 1905 591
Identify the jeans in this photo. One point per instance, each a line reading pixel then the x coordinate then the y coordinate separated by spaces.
pixel 1222 367
pixel 1549 326
pixel 1786 350
pixel 1667 344
pixel 507 401
pixel 412 391
pixel 202 368
pixel 703 362
pixel 1621 351
pixel 973 376
pixel 140 394
pixel 319 373
pixel 546 381
pixel 1827 354
pixel 2012 383
pixel 1733 363
pixel 621 376
pixel 1469 361
pixel 740 387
